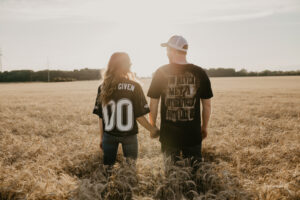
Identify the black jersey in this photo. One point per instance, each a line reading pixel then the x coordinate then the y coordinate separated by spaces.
pixel 119 114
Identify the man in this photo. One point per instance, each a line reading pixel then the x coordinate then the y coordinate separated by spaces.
pixel 181 86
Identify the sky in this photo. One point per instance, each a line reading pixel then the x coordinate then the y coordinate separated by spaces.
pixel 74 34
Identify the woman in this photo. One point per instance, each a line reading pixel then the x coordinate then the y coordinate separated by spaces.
pixel 120 103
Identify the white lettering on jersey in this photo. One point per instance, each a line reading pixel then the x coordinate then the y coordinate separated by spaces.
pixel 129 108
pixel 126 86
pixel 109 122
pixel 117 109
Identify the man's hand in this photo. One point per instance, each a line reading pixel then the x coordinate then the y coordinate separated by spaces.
pixel 204 133
pixel 154 133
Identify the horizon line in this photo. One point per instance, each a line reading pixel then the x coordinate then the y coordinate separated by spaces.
pixel 206 68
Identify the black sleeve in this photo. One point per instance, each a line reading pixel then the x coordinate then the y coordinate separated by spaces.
pixel 98 107
pixel 140 106
pixel 155 89
pixel 205 86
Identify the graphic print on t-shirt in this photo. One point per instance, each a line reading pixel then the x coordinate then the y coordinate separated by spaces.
pixel 181 97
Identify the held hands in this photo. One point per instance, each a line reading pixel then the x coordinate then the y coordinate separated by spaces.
pixel 154 132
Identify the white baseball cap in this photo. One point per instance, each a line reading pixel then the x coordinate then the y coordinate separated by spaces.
pixel 176 42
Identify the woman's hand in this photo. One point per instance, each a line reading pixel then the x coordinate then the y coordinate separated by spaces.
pixel 100 145
pixel 154 133
pixel 101 133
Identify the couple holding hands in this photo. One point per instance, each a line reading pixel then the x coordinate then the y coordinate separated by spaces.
pixel 181 86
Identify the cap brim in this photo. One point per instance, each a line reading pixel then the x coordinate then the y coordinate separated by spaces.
pixel 173 47
pixel 164 44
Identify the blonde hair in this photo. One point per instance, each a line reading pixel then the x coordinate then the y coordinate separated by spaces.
pixel 118 67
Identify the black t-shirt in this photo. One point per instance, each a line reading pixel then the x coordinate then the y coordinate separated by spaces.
pixel 119 114
pixel 180 86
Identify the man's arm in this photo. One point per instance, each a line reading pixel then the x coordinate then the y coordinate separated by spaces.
pixel 153 111
pixel 206 111
pixel 101 131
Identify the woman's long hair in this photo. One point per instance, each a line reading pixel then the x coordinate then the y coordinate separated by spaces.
pixel 118 67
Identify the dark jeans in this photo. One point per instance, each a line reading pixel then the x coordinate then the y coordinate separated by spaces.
pixel 191 152
pixel 110 146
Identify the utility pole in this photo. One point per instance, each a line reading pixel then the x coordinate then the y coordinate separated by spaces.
pixel 0 60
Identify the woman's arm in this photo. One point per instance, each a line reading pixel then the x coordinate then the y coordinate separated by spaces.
pixel 101 131
pixel 154 132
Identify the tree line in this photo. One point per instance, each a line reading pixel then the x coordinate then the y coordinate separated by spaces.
pixel 95 74
pixel 50 75
pixel 231 72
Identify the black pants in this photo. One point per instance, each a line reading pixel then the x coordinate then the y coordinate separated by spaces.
pixel 110 147
pixel 191 152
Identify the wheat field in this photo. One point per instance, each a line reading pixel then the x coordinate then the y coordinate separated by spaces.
pixel 49 146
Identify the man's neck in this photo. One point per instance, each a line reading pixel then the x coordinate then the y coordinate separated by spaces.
pixel 179 61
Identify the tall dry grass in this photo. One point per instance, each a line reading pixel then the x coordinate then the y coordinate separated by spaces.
pixel 49 146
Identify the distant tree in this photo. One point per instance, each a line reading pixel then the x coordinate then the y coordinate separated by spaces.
pixel 221 72
pixel 242 72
